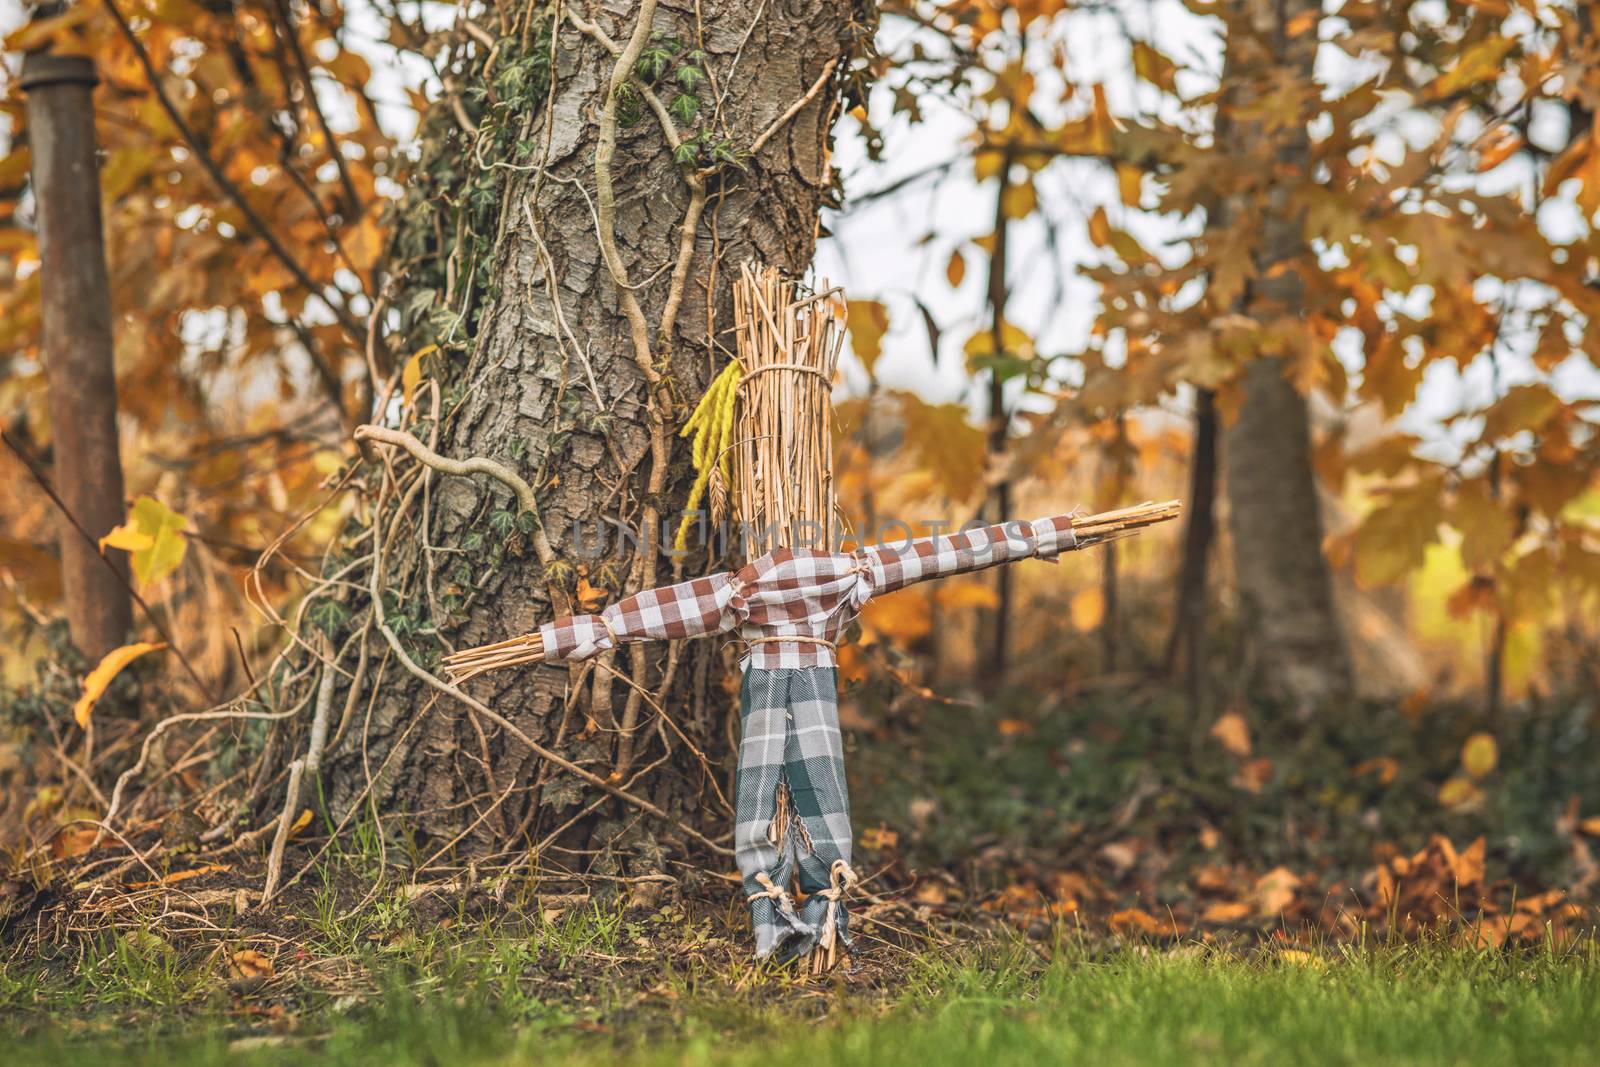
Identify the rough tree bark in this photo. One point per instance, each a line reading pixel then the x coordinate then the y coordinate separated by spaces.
pixel 1275 518
pixel 559 380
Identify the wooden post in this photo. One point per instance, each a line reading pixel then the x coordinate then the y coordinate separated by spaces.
pixel 76 314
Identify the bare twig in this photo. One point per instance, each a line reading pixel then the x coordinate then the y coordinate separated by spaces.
pixel 795 108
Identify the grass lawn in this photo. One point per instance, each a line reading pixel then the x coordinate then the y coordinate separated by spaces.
pixel 1000 1004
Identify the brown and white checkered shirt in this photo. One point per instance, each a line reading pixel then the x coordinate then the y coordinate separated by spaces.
pixel 799 592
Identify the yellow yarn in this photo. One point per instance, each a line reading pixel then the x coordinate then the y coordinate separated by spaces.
pixel 712 426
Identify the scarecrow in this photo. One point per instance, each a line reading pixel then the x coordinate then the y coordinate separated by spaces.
pixel 763 425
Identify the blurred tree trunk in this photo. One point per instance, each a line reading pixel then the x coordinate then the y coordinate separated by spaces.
pixel 554 389
pixel 76 310
pixel 1274 514
pixel 995 623
pixel 1186 644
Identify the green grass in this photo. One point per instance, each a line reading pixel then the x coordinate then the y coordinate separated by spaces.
pixel 994 1005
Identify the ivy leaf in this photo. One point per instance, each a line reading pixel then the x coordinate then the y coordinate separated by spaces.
pixel 684 107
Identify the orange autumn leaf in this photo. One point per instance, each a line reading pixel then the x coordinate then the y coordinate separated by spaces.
pixel 1253 774
pixel 1275 891
pixel 1225 912
pixel 94 684
pixel 1234 734
pixel 1088 609
pixel 1135 920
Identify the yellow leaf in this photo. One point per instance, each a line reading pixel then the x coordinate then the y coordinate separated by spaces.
pixel 1154 67
pixel 153 535
pixel 247 963
pixel 1302 22
pixel 1459 792
pixel 1234 733
pixel 1385 767
pixel 411 376
pixel 590 596
pixel 1225 912
pixel 1014 342
pixel 1019 200
pixel 126 538
pixel 1134 920
pixel 1253 774
pixel 1130 184
pixel 1299 957
pixel 902 617
pixel 1467 865
pixel 1015 728
pixel 94 685
pixel 877 838
pixel 867 321
pixel 365 243
pixel 1088 609
pixel 1479 755
pixel 956 269
pixel 1100 227
pixel 1591 826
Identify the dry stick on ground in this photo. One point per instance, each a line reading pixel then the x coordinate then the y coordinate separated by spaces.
pixel 291 800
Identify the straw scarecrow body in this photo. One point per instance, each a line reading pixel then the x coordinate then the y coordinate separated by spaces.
pixel 790 605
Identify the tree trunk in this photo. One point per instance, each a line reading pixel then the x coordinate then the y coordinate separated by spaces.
pixel 1186 642
pixel 548 371
pixel 1274 513
pixel 996 621
pixel 76 309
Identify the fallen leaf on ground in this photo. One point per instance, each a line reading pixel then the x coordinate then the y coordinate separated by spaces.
pixel 1234 733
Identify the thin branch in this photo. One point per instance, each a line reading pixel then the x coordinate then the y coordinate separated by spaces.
pixel 526 500
pixel 794 109
pixel 606 197
pixel 280 839
pixel 293 40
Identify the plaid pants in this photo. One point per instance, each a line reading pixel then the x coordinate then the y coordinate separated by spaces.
pixel 792 817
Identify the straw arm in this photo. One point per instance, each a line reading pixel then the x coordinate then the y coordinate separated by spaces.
pixel 899 564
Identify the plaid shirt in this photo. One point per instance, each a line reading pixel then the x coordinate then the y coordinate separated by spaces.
pixel 799 591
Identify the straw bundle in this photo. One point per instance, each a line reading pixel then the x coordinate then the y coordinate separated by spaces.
pixel 788 344
pixel 513 652
pixel 1094 530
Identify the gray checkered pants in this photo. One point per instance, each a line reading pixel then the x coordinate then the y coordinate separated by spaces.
pixel 791 755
